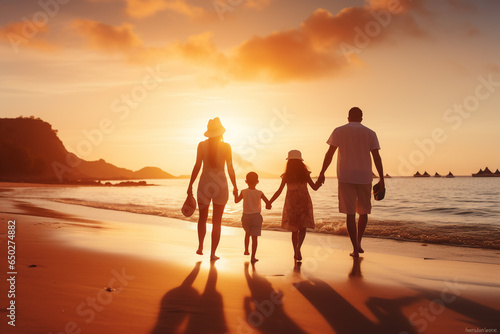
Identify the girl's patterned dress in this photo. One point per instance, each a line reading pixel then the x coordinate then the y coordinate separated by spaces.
pixel 298 208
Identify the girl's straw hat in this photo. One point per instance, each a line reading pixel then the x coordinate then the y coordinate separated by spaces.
pixel 214 128
pixel 294 155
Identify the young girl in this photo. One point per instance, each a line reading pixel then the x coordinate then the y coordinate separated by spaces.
pixel 298 209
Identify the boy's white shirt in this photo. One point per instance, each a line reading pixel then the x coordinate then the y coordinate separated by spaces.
pixel 252 199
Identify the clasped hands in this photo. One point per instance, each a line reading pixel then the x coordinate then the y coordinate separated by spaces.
pixel 320 180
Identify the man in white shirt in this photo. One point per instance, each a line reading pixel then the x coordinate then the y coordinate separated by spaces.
pixel 355 142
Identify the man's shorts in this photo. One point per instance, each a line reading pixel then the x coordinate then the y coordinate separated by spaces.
pixel 252 223
pixel 355 198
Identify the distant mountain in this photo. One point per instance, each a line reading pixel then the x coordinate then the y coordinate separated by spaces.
pixel 152 173
pixel 30 151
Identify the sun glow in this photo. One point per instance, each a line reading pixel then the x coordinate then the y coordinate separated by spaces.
pixel 239 119
pixel 237 130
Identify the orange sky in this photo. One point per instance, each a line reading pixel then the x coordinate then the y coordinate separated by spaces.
pixel 135 82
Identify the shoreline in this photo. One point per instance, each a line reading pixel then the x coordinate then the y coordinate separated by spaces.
pixel 388 246
pixel 134 273
pixel 278 229
pixel 341 226
pixel 413 248
pixel 421 233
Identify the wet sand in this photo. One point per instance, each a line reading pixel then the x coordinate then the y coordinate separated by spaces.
pixel 86 270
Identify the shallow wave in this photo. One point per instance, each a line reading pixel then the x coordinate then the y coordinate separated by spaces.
pixel 467 235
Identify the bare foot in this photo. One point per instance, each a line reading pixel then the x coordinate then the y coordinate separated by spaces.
pixel 254 260
pixel 199 252
pixel 360 250
pixel 214 258
pixel 354 254
pixel 246 253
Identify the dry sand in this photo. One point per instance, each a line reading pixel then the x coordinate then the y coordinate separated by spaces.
pixel 86 270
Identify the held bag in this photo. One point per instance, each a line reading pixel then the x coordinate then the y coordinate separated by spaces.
pixel 189 206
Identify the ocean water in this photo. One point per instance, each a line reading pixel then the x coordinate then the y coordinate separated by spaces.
pixel 461 211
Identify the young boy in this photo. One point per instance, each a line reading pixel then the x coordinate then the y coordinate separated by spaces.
pixel 251 219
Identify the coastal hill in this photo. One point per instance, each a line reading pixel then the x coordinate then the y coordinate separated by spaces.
pixel 31 151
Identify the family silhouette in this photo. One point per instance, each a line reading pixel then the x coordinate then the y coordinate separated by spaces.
pixel 356 145
pixel 184 310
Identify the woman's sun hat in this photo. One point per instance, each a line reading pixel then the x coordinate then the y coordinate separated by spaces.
pixel 214 128
pixel 294 155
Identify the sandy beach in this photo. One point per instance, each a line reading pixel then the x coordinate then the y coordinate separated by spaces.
pixel 87 270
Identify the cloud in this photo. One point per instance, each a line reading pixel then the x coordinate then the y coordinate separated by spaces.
pixel 281 56
pixel 144 8
pixel 27 33
pixel 464 6
pixel 182 7
pixel 199 49
pixel 257 4
pixel 375 20
pixel 322 45
pixel 147 8
pixel 108 38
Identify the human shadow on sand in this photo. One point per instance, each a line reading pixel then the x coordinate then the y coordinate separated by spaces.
pixel 479 315
pixel 345 318
pixel 264 308
pixel 184 310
